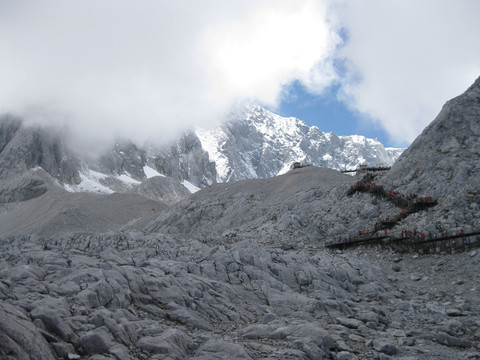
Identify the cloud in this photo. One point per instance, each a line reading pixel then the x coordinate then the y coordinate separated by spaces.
pixel 274 45
pixel 406 58
pixel 150 69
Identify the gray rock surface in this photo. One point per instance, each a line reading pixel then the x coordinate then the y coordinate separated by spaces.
pixel 24 149
pixel 386 346
pixel 19 338
pixel 445 339
pixel 21 188
pixel 162 188
pixel 183 159
pixel 301 206
pixel 124 157
pixel 139 296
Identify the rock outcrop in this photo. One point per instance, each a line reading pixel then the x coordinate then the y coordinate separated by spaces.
pixel 19 337
pixel 186 160
pixel 183 159
pixel 125 157
pixel 22 187
pixel 303 205
pixel 24 149
pixel 444 162
pixel 162 188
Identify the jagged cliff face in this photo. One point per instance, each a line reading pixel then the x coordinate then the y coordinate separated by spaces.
pixel 255 143
pixel 22 149
pixel 125 157
pixel 182 160
pixel 185 160
pixel 34 160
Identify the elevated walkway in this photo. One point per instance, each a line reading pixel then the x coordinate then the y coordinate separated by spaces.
pixel 408 204
pixel 365 169
pixel 402 240
pixel 406 241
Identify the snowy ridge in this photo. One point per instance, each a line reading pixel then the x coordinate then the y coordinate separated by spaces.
pixel 212 142
pixel 256 143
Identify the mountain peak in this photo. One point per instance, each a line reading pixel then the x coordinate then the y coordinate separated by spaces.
pixel 256 143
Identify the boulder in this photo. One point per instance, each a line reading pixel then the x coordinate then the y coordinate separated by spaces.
pixel 385 346
pixel 171 342
pixel 96 341
pixel 20 338
pixel 448 340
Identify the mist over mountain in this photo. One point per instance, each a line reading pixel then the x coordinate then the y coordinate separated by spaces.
pixel 252 143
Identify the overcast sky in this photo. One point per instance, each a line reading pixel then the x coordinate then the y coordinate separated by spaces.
pixel 143 68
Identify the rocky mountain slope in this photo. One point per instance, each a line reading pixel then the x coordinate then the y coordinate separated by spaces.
pixel 255 143
pixel 240 270
pixel 303 205
pixel 59 212
pixel 444 161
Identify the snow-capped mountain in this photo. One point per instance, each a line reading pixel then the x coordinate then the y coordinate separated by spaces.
pixel 251 143
pixel 256 143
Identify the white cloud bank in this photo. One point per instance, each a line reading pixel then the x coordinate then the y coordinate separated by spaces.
pixel 409 58
pixel 153 68
pixel 149 69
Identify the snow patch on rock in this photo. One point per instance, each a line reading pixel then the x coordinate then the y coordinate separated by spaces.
pixel 192 188
pixel 90 182
pixel 150 172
